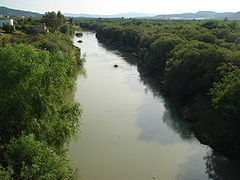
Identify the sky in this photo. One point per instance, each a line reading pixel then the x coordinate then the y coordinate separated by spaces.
pixel 122 6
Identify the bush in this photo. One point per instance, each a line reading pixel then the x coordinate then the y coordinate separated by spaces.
pixel 32 159
pixel 79 34
pixel 226 95
pixel 66 29
pixel 6 173
pixel 8 28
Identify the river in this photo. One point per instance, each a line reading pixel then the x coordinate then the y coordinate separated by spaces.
pixel 129 131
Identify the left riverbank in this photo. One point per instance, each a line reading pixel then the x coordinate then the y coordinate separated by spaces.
pixel 38 118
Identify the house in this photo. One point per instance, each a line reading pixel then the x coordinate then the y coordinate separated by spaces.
pixel 37 29
pixel 5 21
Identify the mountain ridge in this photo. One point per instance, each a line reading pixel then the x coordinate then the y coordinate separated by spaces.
pixel 201 15
pixel 119 15
pixel 5 11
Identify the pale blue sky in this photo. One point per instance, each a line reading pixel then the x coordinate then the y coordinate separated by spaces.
pixel 122 6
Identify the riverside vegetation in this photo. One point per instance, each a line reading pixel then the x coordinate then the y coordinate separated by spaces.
pixel 37 113
pixel 198 65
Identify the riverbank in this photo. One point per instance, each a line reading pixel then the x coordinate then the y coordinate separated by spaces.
pixel 38 119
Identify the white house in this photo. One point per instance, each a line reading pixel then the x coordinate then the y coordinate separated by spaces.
pixel 5 21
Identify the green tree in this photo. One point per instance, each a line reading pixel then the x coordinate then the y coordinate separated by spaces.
pixel 54 21
pixel 66 29
pixel 8 28
pixel 6 173
pixel 226 95
pixel 29 158
pixel 32 92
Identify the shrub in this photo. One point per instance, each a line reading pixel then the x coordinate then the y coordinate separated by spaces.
pixel 8 28
pixel 32 159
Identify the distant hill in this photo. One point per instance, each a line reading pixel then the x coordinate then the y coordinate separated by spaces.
pixel 201 15
pixel 125 15
pixel 4 11
pixel 234 16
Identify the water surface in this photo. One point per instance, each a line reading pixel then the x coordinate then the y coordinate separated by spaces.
pixel 128 130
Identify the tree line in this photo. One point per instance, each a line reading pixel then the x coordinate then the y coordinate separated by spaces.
pixel 38 117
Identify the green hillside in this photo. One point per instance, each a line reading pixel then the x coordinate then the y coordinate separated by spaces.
pixel 17 13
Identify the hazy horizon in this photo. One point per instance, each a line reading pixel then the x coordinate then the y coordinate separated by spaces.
pixel 107 7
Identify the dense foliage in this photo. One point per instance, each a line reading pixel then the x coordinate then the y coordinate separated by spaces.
pixel 198 63
pixel 54 21
pixel 37 114
pixel 8 28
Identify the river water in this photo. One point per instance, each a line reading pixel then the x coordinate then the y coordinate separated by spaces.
pixel 129 131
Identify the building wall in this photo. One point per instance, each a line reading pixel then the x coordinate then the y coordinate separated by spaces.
pixel 5 21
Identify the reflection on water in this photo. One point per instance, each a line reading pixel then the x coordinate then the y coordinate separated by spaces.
pixel 172 119
pixel 217 166
pixel 170 115
pixel 129 131
pixel 153 129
